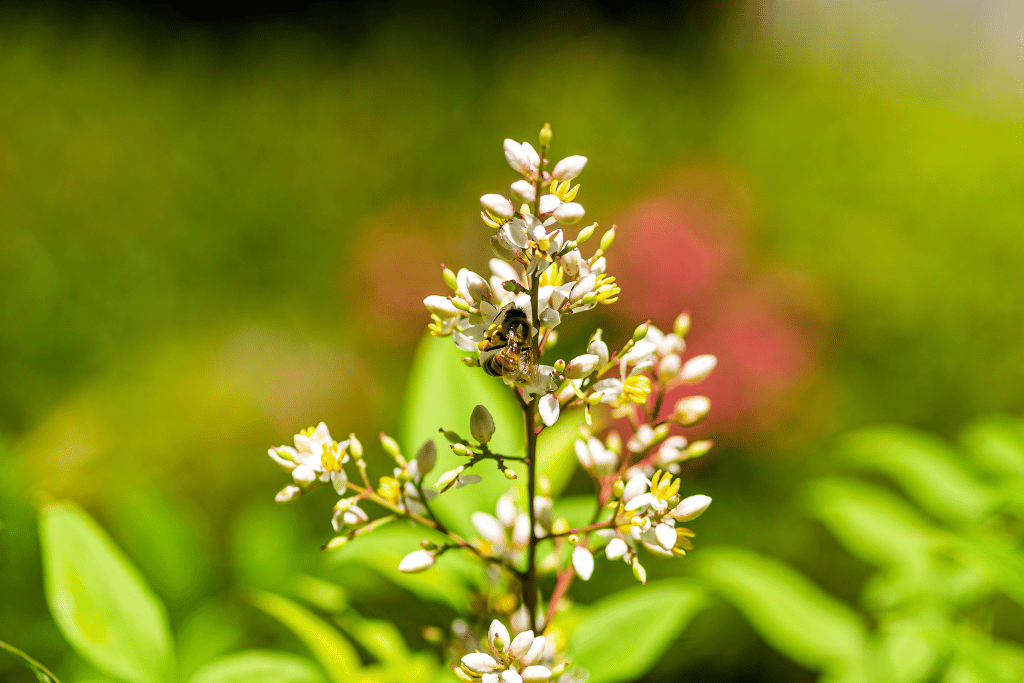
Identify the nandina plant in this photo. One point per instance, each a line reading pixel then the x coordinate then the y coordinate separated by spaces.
pixel 506 325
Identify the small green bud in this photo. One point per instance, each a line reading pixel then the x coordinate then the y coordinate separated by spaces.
pixel 451 436
pixel 355 447
pixel 481 424
pixel 510 474
pixel 470 361
pixel 639 572
pixel 641 331
pixel 460 449
pixel 682 324
pixel 428 545
pixel 607 239
pixel 560 526
pixel 586 233
pixel 698 449
pixel 573 539
pixel 545 135
pixel 559 366
pixel 390 446
pixel 618 488
pixel 459 303
pixel 449 278
pixel 336 542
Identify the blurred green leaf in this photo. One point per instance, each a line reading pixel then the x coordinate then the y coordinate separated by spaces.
pixel 792 614
pixel 442 392
pixel 927 468
pixel 324 595
pixel 103 607
pixel 997 444
pixel 625 634
pixel 257 666
pixel 265 546
pixel 335 654
pixel 909 650
pixel 449 581
pixel 211 631
pixel 1002 559
pixel 872 523
pixel 42 674
pixel 380 638
pixel 556 454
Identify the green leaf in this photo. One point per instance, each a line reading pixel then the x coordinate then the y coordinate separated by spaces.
pixel 627 633
pixel 1002 561
pixel 873 524
pixel 380 638
pixel 450 581
pixel 208 633
pixel 556 452
pixel 99 601
pixel 335 654
pixel 442 392
pixel 792 614
pixel 259 667
pixel 997 444
pixel 42 674
pixel 927 468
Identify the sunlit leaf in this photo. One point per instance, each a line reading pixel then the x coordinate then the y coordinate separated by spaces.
pixel 928 469
pixel 997 444
pixel 42 674
pixel 556 454
pixel 625 634
pixel 909 649
pixel 103 607
pixel 442 392
pixel 335 654
pixel 208 633
pixel 792 614
pixel 380 638
pixel 1002 560
pixel 259 667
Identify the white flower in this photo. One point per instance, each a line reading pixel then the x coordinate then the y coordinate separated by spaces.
pixel 288 494
pixel 690 508
pixel 473 287
pixel 304 475
pixel 351 516
pixel 521 644
pixel 417 561
pixel 497 636
pixel 535 674
pixel 634 487
pixel 672 450
pixel 490 529
pixel 581 366
pixel 498 205
pixel 523 158
pixel 506 509
pixel 441 306
pixel 615 549
pixel 641 439
pixel 599 349
pixel 697 368
pixel 569 167
pixel 668 367
pixel 523 191
pixel 548 203
pixel 535 651
pixel 548 409
pixel 511 676
pixel 594 457
pixel 569 213
pixel 479 662
pixel 666 535
pixel 582 562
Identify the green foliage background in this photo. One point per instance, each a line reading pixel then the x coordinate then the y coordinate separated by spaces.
pixel 192 233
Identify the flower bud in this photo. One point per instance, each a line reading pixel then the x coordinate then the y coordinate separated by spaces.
pixel 690 508
pixel 524 192
pixel 336 542
pixel 682 324
pixel 548 408
pixel 569 167
pixel 453 437
pixel 448 477
pixel 417 561
pixel 498 205
pixel 497 636
pixel 460 449
pixel 691 410
pixel 449 278
pixel 521 644
pixel 548 203
pixel 618 489
pixel 355 447
pixel 510 474
pixel 535 651
pixel 536 674
pixel 390 446
pixel 599 349
pixel 698 449
pixel 668 367
pixel 607 239
pixel 510 676
pixel 440 306
pixel 428 545
pixel 560 526
pixel 697 368
pixel 559 366
pixel 582 366
pixel 426 457
pixel 288 494
pixel 545 135
pixel 479 663
pixel 615 549
pixel 481 424
pixel 304 475
pixel 639 572
pixel 519 159
pixel 582 562
pixel 569 213
pixel 470 361
pixel 666 536
pixel 586 233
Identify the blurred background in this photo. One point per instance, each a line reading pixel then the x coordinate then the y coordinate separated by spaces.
pixel 217 229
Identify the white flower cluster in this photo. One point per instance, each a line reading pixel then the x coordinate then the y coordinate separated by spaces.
pixel 316 457
pixel 523 659
pixel 507 534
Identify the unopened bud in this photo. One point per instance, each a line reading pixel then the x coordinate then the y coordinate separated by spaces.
pixel 641 331
pixel 513 286
pixel 559 366
pixel 560 526
pixel 552 339
pixel 460 449
pixel 417 561
pixel 618 488
pixel 288 494
pixel 586 233
pixel 691 410
pixel 481 424
pixel 697 449
pixel 448 477
pixel 355 447
pixel 470 361
pixel 449 278
pixel 451 436
pixel 336 542
pixel 428 545
pixel 510 474
pixel 607 239
pixel 545 135
pixel 569 213
pixel 426 457
pixel 697 368
pixel 639 572
pixel 682 324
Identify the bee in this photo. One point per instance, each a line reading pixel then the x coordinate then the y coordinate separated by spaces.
pixel 507 350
